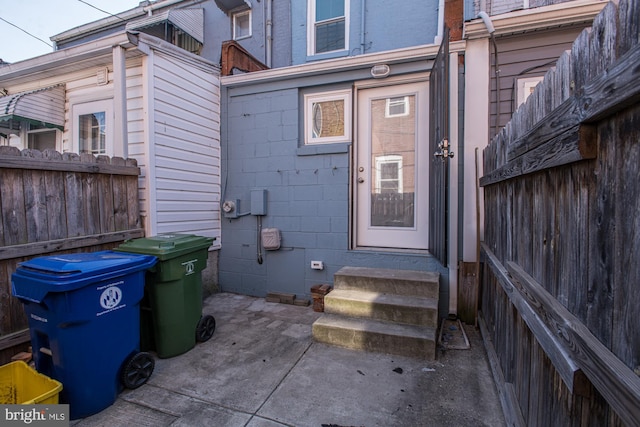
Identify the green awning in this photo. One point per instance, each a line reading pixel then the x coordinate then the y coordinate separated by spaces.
pixel 44 107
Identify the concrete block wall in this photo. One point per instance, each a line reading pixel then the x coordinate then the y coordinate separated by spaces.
pixel 307 200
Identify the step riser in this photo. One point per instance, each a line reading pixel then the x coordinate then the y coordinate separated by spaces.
pixel 422 284
pixel 381 310
pixel 375 342
pixel 392 313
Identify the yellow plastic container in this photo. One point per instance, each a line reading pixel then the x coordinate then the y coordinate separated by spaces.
pixel 21 384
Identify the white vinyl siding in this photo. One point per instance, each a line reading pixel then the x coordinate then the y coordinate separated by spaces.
pixel 186 133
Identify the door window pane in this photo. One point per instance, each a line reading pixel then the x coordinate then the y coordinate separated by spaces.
pixel 393 159
pixel 92 133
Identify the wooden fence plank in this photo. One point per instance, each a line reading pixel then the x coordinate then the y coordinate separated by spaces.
pixel 38 248
pixel 105 200
pixel 614 380
pixel 56 209
pixel 14 162
pixel 628 25
pixel 573 145
pixel 13 210
pixel 14 339
pixel 554 349
pixel 625 271
pixel 35 201
pixel 612 91
pixel 74 204
pixel 512 413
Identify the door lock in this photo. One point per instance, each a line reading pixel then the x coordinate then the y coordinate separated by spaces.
pixel 443 152
pixel 360 180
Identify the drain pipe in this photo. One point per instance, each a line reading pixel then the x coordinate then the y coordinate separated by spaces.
pixel 496 66
pixel 438 38
pixel 269 40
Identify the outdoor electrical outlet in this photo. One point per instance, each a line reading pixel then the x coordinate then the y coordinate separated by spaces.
pixel 317 265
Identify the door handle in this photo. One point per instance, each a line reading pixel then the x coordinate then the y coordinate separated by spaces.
pixel 360 180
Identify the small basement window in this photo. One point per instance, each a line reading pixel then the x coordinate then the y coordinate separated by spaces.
pixel 327 117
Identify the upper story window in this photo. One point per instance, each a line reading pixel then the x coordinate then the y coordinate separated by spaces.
pixel 242 25
pixel 328 26
pixel 397 107
pixel 389 176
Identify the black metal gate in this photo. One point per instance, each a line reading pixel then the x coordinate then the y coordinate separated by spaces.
pixel 439 147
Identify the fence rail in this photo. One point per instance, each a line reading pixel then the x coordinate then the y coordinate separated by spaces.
pixel 56 203
pixel 562 240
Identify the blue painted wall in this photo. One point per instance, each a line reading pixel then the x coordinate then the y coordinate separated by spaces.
pixel 307 193
pixel 388 25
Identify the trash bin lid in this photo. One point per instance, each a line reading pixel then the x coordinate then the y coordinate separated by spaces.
pixel 167 246
pixel 35 278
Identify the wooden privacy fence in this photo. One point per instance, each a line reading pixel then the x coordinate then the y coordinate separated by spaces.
pixel 561 283
pixel 56 203
pixel 392 209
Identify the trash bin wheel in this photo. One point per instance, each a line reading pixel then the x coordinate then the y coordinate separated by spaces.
pixel 205 329
pixel 137 370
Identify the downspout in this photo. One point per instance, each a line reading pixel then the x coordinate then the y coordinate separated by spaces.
pixel 496 66
pixel 148 88
pixel 269 33
pixel 120 101
pixel 438 38
pixel 363 4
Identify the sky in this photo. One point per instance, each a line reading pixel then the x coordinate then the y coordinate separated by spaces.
pixel 45 18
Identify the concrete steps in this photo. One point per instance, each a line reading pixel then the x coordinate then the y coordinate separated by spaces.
pixel 381 310
pixel 380 306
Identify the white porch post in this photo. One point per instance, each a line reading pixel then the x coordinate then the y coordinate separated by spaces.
pixel 120 146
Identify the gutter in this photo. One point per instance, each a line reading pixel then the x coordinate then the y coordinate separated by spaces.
pixel 114 21
pixel 412 54
pixel 558 15
pixel 62 58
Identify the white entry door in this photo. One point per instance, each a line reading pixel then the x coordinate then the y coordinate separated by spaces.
pixel 392 161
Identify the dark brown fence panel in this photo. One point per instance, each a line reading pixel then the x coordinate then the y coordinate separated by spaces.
pixel 58 203
pixel 562 237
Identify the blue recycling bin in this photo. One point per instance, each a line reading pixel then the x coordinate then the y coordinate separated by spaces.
pixel 84 320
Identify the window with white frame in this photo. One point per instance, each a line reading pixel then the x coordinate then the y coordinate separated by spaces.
pixel 40 138
pixel 328 26
pixel 93 127
pixel 242 25
pixel 327 117
pixel 526 86
pixel 389 174
pixel 397 107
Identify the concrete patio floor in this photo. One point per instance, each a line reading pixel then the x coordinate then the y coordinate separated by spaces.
pixel 262 368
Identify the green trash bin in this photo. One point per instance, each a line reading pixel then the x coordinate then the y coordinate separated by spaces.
pixel 171 320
